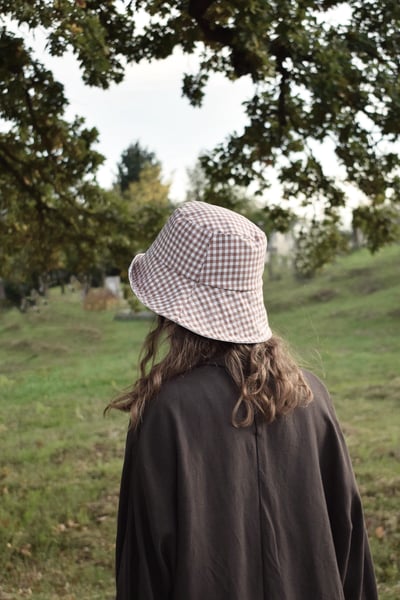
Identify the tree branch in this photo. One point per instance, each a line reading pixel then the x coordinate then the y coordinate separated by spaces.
pixel 212 32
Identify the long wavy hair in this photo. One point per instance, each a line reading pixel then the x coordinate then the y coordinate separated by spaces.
pixel 269 381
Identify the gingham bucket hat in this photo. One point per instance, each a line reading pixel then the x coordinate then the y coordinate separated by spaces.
pixel 204 271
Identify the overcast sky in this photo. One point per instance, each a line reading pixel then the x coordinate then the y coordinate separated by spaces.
pixel 148 106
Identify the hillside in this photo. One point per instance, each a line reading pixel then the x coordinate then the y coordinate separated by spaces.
pixel 60 460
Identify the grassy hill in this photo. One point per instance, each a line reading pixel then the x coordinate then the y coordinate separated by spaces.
pixel 60 459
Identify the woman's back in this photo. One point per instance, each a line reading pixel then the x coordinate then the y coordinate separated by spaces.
pixel 264 512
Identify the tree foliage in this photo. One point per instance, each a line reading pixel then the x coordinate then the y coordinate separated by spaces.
pixel 132 162
pixel 318 243
pixel 268 217
pixel 50 204
pixel 147 202
pixel 316 83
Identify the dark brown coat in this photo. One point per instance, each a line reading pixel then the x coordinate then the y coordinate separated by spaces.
pixel 210 512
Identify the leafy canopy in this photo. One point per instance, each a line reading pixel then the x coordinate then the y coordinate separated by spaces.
pixel 316 82
pixel 50 204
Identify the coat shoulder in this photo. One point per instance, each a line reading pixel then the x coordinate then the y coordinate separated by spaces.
pixel 322 401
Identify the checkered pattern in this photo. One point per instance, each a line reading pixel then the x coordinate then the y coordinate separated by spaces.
pixel 204 272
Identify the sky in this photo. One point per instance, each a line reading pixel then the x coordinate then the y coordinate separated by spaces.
pixel 148 106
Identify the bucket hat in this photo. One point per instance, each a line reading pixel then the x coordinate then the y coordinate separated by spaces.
pixel 204 271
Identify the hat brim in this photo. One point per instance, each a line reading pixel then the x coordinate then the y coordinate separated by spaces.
pixel 225 315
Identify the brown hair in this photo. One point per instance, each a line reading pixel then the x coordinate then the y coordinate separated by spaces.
pixel 268 379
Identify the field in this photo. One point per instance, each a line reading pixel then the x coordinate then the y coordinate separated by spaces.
pixel 60 459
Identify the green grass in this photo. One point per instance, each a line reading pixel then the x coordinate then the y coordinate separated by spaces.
pixel 60 460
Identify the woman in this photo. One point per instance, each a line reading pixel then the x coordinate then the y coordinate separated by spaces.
pixel 237 484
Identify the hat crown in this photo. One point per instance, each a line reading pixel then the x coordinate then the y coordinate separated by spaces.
pixel 212 246
pixel 204 272
pixel 218 219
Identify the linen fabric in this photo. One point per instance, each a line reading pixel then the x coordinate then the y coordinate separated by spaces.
pixel 204 271
pixel 267 512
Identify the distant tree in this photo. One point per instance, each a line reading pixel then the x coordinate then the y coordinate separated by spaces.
pixel 318 242
pixel 148 204
pixel 133 160
pixel 197 182
pixel 145 198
